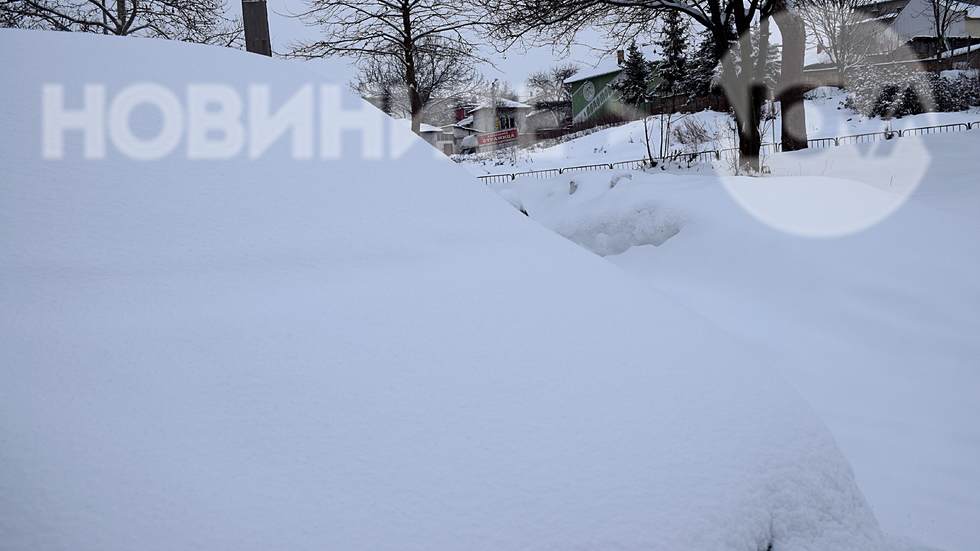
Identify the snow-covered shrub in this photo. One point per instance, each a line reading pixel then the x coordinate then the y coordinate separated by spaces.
pixel 955 90
pixel 889 92
pixel 894 92
pixel 511 156
pixel 693 133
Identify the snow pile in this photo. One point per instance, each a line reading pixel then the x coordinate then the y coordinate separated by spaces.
pixel 323 353
pixel 877 327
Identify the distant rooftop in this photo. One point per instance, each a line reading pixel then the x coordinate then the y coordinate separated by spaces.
pixel 606 66
pixel 504 102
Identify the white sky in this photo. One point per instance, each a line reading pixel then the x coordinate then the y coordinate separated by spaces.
pixel 513 66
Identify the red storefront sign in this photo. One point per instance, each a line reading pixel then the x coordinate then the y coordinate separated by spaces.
pixel 498 138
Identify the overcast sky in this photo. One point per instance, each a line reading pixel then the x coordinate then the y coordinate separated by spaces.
pixel 512 66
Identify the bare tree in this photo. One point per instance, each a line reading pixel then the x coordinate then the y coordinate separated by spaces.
pixel 942 13
pixel 549 84
pixel 729 21
pixel 500 92
pixel 203 21
pixel 547 88
pixel 442 77
pixel 839 28
pixel 401 31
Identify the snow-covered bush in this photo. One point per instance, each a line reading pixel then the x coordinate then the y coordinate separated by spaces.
pixel 955 91
pixel 894 92
pixel 888 92
pixel 693 132
pixel 509 156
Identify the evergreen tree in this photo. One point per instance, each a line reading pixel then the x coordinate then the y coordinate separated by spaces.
pixel 773 62
pixel 773 65
pixel 634 87
pixel 702 67
pixel 673 67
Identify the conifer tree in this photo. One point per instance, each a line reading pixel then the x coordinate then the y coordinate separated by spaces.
pixel 634 87
pixel 673 66
pixel 703 66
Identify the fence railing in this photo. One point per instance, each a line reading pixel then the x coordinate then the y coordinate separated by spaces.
pixel 715 154
pixel 955 127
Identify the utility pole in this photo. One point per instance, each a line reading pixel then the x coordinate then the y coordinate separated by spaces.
pixel 493 101
pixel 256 20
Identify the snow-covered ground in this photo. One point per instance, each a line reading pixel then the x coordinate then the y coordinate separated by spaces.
pixel 853 271
pixel 210 340
pixel 826 118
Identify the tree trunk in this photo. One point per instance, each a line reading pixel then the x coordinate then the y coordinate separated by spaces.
pixel 411 79
pixel 749 133
pixel 414 100
pixel 789 91
pixel 124 15
pixel 746 92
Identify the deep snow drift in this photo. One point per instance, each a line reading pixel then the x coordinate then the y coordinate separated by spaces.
pixel 876 326
pixel 347 354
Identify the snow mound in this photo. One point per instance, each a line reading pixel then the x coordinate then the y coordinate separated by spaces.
pixel 337 353
pixel 876 326
pixel 613 231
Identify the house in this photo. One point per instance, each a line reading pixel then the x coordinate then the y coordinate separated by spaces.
pixel 593 97
pixel 433 135
pixel 595 100
pixel 490 126
pixel 902 31
pixel 438 138
pixel 549 116
pixel 913 24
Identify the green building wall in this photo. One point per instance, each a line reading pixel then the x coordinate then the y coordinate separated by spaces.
pixel 612 109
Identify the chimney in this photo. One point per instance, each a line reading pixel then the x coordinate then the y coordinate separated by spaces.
pixel 620 57
pixel 256 21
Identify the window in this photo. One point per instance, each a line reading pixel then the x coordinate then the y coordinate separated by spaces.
pixel 505 121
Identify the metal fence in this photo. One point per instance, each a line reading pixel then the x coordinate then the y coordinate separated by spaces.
pixel 716 154
pixel 955 127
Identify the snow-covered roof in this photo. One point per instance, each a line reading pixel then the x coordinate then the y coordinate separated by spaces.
pixel 916 20
pixel 504 102
pixel 422 128
pixel 605 66
pixel 963 51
